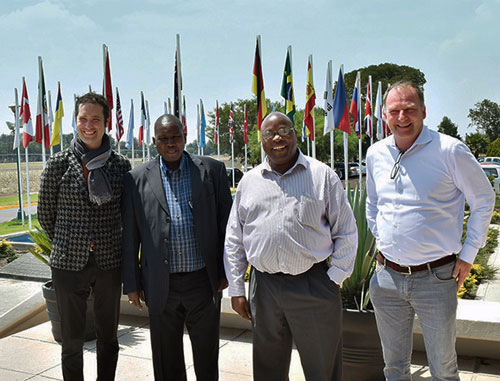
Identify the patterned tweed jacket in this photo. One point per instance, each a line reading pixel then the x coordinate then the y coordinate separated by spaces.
pixel 72 222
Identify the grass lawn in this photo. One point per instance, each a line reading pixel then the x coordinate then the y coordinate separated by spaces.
pixel 14 200
pixel 14 226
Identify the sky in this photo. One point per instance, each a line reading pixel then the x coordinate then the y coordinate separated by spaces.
pixel 453 42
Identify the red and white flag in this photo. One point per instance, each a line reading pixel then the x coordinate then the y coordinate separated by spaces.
pixel 25 114
pixel 42 134
pixel 143 120
pixel 230 123
pixel 368 109
pixel 119 118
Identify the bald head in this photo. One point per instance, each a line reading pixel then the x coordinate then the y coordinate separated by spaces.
pixel 168 120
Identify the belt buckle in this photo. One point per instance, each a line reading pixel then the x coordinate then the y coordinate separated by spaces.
pixel 409 270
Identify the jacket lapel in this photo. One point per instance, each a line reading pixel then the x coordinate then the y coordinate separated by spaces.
pixel 154 178
pixel 197 170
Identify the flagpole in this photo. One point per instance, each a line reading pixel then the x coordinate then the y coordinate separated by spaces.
pixel 17 144
pixel 51 120
pixel 371 106
pixel 346 145
pixel 133 142
pixel 42 112
pixel 28 187
pixel 217 129
pixel 232 160
pixel 246 144
pixel 198 121
pixel 104 77
pixel 313 141
pixel 262 153
pixel 148 131
pixel 179 77
pixel 360 152
pixel 61 126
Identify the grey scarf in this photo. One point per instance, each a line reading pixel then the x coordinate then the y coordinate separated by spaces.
pixel 98 184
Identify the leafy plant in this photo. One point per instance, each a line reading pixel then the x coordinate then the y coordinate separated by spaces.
pixel 6 251
pixel 43 246
pixel 355 292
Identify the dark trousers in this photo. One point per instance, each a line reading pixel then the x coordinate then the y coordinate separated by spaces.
pixel 191 303
pixel 304 308
pixel 72 290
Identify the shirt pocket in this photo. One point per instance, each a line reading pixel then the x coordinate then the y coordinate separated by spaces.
pixel 310 211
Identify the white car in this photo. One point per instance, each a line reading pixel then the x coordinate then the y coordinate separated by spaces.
pixel 493 170
pixel 358 168
pixel 489 160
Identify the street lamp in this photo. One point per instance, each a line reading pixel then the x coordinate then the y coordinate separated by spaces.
pixel 20 211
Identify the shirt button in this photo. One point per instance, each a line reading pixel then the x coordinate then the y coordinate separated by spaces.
pixel 177 217
pixel 180 252
pixel 394 242
pixel 167 219
pixel 395 224
pixel 165 240
pixel 165 261
pixel 176 199
pixel 179 234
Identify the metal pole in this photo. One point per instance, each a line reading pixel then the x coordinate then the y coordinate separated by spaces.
pixel 20 211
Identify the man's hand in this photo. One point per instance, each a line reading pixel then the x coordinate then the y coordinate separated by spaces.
pixel 460 272
pixel 222 284
pixel 135 298
pixel 240 305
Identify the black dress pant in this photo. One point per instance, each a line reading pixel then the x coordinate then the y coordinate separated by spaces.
pixel 191 303
pixel 72 290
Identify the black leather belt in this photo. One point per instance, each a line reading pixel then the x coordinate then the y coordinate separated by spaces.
pixel 413 269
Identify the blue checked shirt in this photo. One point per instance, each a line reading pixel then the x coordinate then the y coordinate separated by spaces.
pixel 184 248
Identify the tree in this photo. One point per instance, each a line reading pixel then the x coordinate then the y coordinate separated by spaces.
pixel 494 148
pixel 485 116
pixel 477 142
pixel 448 127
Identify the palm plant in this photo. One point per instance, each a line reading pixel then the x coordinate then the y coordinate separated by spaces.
pixel 355 292
pixel 43 246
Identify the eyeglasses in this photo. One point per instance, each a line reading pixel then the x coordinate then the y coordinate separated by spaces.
pixel 283 131
pixel 395 168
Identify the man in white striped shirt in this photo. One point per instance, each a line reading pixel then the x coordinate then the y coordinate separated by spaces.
pixel 292 222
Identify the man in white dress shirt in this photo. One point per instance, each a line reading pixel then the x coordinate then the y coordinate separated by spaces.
pixel 292 222
pixel 417 182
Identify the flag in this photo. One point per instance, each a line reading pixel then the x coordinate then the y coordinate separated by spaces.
pixel 310 101
pixel 203 125
pixel 354 109
pixel 57 127
pixel 328 105
pixel 304 133
pixel 130 132
pixel 287 86
pixel 368 109
pixel 26 117
pixel 198 125
pixel 169 107
pixel 143 120
pixel 258 88
pixel 178 80
pixel 73 121
pixel 379 112
pixel 245 126
pixel 216 131
pixel 107 89
pixel 119 118
pixel 42 118
pixel 230 123
pixel 340 112
pixel 184 123
pixel 148 125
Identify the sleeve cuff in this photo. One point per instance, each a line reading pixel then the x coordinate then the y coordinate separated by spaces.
pixel 468 253
pixel 336 275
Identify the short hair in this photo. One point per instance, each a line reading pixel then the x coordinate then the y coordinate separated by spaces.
pixel 95 99
pixel 404 84
pixel 169 119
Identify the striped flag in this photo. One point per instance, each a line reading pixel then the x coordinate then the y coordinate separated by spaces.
pixel 26 117
pixel 368 108
pixel 355 107
pixel 258 88
pixel 287 86
pixel 340 112
pixel 310 101
pixel 178 80
pixel 42 134
pixel 57 127
pixel 143 120
pixel 203 124
pixel 119 118
pixel 130 132
pixel 379 112
pixel 107 88
pixel 230 123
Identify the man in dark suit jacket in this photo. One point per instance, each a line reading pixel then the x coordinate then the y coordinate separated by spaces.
pixel 175 210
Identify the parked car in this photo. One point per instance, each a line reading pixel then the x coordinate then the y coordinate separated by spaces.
pixel 489 160
pixel 493 170
pixel 340 169
pixel 358 168
pixel 237 176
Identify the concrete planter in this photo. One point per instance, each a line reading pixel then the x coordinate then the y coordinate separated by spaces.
pixel 49 293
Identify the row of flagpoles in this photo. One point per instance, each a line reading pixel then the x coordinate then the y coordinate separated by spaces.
pixel 48 127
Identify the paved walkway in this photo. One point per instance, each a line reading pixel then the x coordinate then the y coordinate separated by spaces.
pixel 34 355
